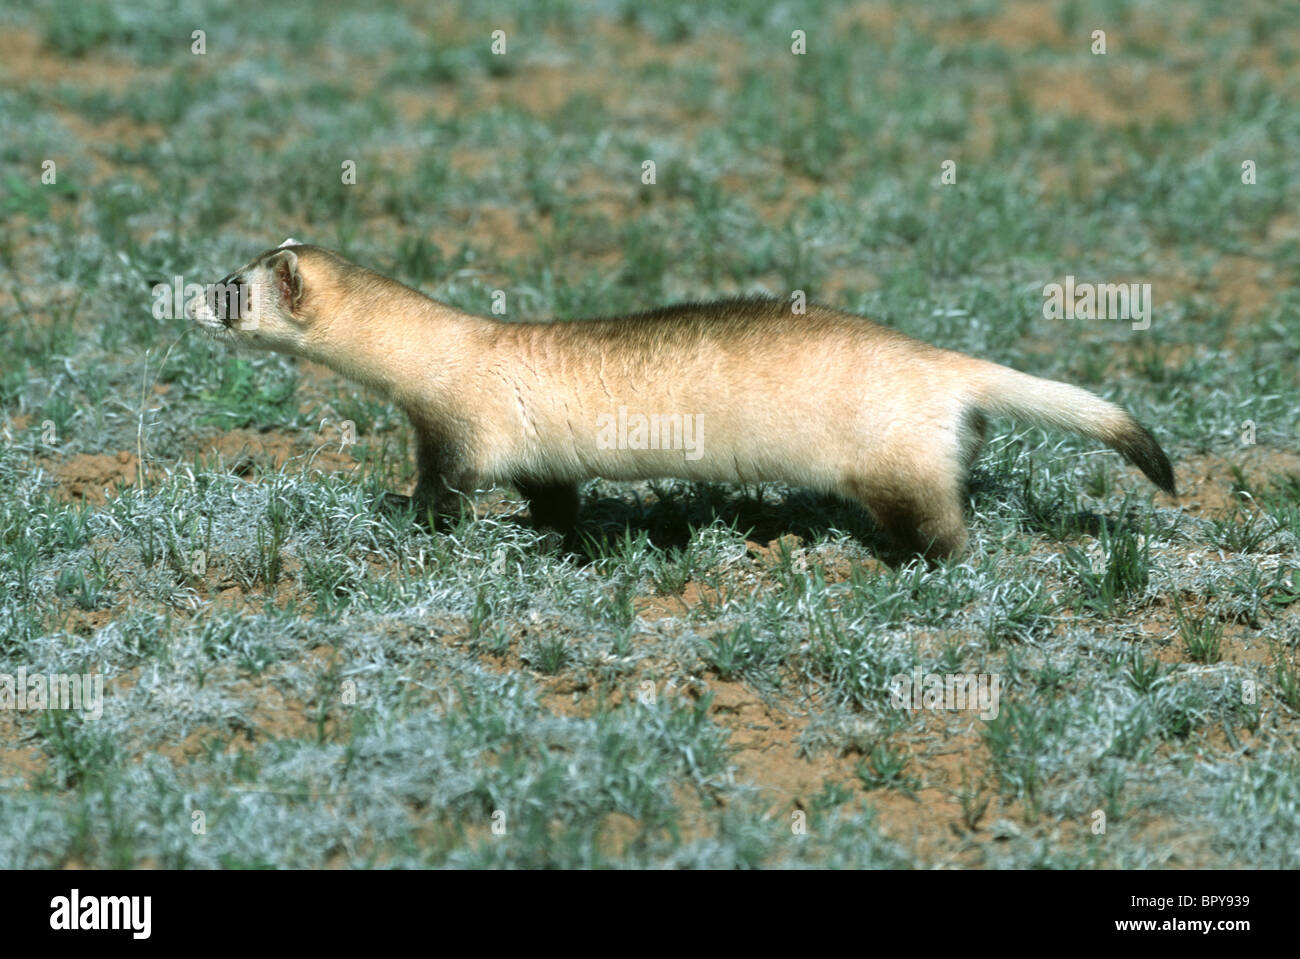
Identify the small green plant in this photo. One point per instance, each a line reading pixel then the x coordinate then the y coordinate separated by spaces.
pixel 85 587
pixel 549 655
pixel 245 394
pixel 1126 568
pixel 31 198
pixel 832 795
pixel 732 651
pixel 1202 638
pixel 1098 481
pixel 1243 530
pixel 81 754
pixel 1286 673
pixel 497 643
pixel 153 547
pixel 885 768
pixel 479 615
pixel 73 29
pixel 1143 674
pixel 255 659
pixel 330 581
pixel 951 656
pixel 974 798
pixel 674 569
pixel 621 609
pixel 1020 739
pixel 270 542
pixel 1052 508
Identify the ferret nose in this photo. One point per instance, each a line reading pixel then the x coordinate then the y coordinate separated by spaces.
pixel 225 300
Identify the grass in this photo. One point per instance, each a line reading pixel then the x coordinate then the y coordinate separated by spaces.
pixel 321 681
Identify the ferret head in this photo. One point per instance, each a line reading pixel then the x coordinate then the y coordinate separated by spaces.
pixel 260 305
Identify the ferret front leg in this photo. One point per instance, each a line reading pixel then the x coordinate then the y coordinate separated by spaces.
pixel 554 505
pixel 436 493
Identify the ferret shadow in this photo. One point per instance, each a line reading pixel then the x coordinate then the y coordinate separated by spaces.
pixel 670 515
pixel 1055 515
pixel 669 518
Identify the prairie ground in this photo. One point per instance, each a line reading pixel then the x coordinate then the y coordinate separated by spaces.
pixel 293 677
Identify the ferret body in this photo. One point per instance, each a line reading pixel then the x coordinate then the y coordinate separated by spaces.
pixel 739 391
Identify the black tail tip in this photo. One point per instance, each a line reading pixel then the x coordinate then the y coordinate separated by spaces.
pixel 1141 449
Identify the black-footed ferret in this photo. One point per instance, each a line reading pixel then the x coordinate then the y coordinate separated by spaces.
pixel 737 391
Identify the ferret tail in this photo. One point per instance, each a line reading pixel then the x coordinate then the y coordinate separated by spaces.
pixel 1002 391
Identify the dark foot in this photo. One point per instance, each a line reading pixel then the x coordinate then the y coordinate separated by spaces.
pixel 554 505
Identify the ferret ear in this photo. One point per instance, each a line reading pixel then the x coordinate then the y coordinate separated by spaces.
pixel 283 265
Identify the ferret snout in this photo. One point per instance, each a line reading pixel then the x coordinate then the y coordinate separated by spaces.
pixel 221 305
pixel 227 299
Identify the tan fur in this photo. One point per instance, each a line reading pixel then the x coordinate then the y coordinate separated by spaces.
pixel 825 400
